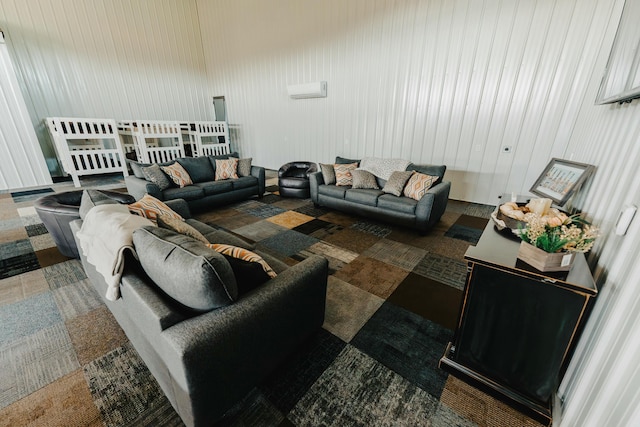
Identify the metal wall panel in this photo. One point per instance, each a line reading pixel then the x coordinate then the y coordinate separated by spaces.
pixel 121 59
pixel 448 82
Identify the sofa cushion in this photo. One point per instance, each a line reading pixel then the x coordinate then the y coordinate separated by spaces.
pixel 328 174
pixel 396 182
pixel 150 207
pixel 186 270
pixel 418 185
pixel 155 174
pixel 178 174
pixel 190 192
pixel 397 204
pixel 180 226
pixel 226 169
pixel 198 168
pixel 343 173
pixel 364 197
pixel 249 268
pixel 332 191
pixel 244 182
pixel 364 179
pixel 434 170
pixel 215 187
pixel 92 198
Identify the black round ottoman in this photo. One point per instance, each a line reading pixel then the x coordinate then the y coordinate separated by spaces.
pixel 58 210
pixel 293 179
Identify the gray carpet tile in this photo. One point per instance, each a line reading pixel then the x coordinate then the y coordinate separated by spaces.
pixel 36 230
pixel 34 222
pixel 28 316
pixel 356 390
pixel 310 209
pixel 259 230
pixel 122 387
pixel 255 410
pixel 461 232
pixel 41 242
pixel 14 249
pixel 11 224
pixel 452 272
pixel 372 228
pixel 482 211
pixel 264 211
pixel 408 344
pixel 336 256
pixel 77 299
pixel 396 253
pixel 33 361
pixel 64 273
pixel 288 242
pixel 18 264
pixel 270 198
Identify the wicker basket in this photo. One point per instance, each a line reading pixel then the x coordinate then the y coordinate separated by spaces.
pixel 545 261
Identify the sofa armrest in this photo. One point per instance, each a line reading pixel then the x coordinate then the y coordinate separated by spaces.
pixel 433 204
pixel 235 347
pixel 258 172
pixel 315 180
pixel 138 187
pixel 179 206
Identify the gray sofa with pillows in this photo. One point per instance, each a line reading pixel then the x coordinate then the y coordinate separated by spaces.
pixel 206 337
pixel 371 196
pixel 205 191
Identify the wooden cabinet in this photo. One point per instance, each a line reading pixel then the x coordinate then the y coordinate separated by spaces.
pixel 517 326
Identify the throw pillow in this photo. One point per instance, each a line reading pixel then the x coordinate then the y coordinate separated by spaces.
pixel 226 169
pixel 177 174
pixel 154 174
pixel 92 198
pixel 180 226
pixel 150 207
pixel 186 270
pixel 418 185
pixel 249 268
pixel 136 168
pixel 328 174
pixel 396 182
pixel 343 173
pixel 364 179
pixel 244 166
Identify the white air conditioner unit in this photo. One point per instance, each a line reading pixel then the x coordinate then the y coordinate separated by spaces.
pixel 308 90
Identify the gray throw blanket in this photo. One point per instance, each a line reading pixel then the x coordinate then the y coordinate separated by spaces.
pixel 383 168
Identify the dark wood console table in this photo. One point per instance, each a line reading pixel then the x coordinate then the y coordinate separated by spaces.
pixel 517 326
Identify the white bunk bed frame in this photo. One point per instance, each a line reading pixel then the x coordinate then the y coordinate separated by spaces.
pixel 199 131
pixel 145 135
pixel 78 156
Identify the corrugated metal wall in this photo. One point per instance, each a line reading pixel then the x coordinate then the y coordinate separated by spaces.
pixel 446 82
pixel 121 59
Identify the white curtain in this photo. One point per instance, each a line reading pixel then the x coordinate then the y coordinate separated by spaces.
pixel 22 162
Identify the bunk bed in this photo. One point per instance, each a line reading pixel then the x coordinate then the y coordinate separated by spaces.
pixel 87 146
pixel 154 141
pixel 207 138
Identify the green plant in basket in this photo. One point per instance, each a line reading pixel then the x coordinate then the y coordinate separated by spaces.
pixel 573 234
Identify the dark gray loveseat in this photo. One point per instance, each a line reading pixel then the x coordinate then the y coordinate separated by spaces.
pixel 420 215
pixel 205 191
pixel 207 361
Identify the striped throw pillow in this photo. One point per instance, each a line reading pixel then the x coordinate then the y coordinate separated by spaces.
pixel 226 169
pixel 150 207
pixel 343 173
pixel 177 174
pixel 418 185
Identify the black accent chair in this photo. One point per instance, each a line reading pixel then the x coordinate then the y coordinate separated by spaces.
pixel 293 179
pixel 57 210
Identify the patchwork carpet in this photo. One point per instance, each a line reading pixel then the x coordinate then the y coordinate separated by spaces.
pixel 392 303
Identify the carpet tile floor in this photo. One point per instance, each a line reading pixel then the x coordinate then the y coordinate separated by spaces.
pixel 393 297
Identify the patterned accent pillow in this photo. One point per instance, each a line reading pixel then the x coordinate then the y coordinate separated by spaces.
pixel 150 207
pixel 154 174
pixel 328 174
pixel 418 185
pixel 180 226
pixel 343 173
pixel 396 182
pixel 244 166
pixel 364 179
pixel 226 169
pixel 177 174
pixel 249 268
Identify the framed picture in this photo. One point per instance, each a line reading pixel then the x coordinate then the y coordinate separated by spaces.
pixel 560 179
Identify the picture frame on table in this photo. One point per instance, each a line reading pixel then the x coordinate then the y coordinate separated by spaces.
pixel 561 179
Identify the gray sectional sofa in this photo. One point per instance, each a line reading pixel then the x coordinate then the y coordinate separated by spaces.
pixel 420 215
pixel 207 360
pixel 205 191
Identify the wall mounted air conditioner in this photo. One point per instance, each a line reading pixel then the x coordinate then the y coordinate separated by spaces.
pixel 308 90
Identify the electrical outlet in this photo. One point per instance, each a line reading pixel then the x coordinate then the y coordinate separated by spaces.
pixel 506 148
